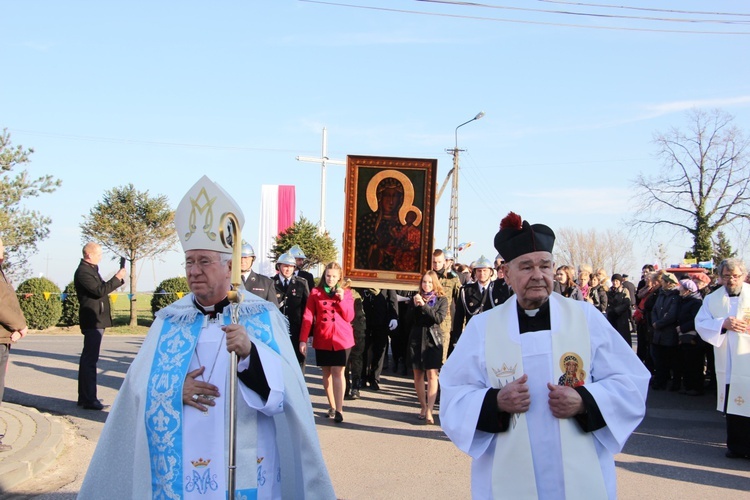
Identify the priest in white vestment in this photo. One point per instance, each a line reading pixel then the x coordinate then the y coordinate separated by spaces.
pixel 167 435
pixel 541 391
pixel 724 322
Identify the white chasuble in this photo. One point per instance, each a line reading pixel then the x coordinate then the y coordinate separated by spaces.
pixel 732 348
pixel 608 368
pixel 536 438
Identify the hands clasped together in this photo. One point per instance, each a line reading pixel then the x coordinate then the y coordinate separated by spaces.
pixel 733 323
pixel 198 393
pixel 564 402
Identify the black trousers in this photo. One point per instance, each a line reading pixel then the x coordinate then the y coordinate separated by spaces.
pixel 92 341
pixel 376 343
pixel 738 430
pixel 664 363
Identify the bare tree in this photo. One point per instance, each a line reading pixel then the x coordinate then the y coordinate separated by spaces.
pixel 610 249
pixel 703 184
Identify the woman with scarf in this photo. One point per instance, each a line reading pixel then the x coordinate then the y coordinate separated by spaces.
pixel 331 308
pixel 426 341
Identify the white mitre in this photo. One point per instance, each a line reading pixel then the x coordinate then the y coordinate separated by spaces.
pixel 200 218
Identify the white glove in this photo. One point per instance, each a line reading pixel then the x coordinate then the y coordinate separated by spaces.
pixel 393 325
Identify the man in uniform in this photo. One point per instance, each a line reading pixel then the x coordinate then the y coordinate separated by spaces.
pixel 500 289
pixel 451 285
pixel 94 316
pixel 12 327
pixel 291 295
pixel 474 298
pixel 255 283
pixel 544 403
pixel 299 259
pixel 167 434
pixel 381 316
pixel 724 322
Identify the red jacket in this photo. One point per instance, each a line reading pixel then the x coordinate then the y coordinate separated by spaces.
pixel 333 320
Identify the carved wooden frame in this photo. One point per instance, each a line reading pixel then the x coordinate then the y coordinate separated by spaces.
pixel 417 178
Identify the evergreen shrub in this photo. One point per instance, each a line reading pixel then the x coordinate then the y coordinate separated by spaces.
pixel 166 292
pixel 40 312
pixel 70 306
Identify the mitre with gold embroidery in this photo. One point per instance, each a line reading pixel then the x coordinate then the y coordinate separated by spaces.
pixel 200 217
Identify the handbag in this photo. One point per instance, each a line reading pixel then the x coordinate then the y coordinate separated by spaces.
pixel 436 334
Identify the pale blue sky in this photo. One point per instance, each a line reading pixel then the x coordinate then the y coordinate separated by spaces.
pixel 160 93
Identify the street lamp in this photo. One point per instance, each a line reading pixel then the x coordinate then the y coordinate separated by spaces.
pixel 453 218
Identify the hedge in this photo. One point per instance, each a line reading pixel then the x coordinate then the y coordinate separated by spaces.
pixel 70 306
pixel 41 311
pixel 166 293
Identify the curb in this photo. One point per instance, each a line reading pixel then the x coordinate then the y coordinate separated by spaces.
pixel 37 440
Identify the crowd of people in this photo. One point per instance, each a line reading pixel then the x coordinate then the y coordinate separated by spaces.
pixel 487 339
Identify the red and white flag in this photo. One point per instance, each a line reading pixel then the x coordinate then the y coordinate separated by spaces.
pixel 277 213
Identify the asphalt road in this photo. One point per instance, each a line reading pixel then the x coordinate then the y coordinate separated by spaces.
pixel 381 450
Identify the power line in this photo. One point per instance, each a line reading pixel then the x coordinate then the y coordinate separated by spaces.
pixel 583 14
pixel 520 21
pixel 646 9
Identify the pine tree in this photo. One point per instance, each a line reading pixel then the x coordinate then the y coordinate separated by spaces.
pixel 722 249
pixel 318 248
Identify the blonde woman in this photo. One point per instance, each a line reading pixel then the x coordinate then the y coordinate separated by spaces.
pixel 430 307
pixel 331 308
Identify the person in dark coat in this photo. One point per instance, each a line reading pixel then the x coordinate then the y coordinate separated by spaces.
pixel 255 283
pixel 381 317
pixel 690 346
pixel 426 341
pixel 94 316
pixel 664 341
pixel 475 297
pixel 299 259
pixel 597 295
pixel 12 327
pixel 291 294
pixel 618 308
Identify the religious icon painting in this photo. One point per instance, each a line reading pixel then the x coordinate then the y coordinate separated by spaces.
pixel 571 366
pixel 389 220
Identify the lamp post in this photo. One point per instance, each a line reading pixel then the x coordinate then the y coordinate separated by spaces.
pixel 453 217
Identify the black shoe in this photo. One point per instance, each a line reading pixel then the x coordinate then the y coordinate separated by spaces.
pixel 338 418
pixel 355 394
pixel 349 395
pixel 80 403
pixel 731 454
pixel 95 406
pixel 374 385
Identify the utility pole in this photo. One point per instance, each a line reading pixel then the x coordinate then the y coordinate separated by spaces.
pixel 324 161
pixel 453 217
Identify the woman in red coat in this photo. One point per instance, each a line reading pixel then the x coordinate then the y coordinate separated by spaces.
pixel 331 308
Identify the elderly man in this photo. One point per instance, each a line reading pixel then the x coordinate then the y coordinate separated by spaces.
pixel 167 435
pixel 94 316
pixel 12 327
pixel 724 322
pixel 544 403
pixel 255 283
